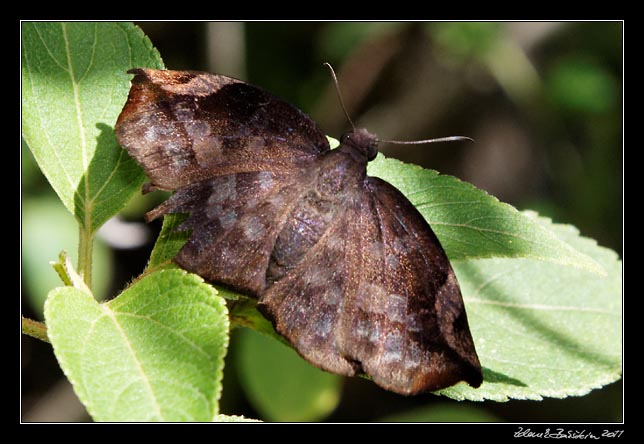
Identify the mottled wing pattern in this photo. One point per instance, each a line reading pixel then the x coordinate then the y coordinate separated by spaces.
pixel 343 264
pixel 403 318
pixel 185 126
pixel 376 295
pixel 234 154
pixel 306 303
pixel 235 220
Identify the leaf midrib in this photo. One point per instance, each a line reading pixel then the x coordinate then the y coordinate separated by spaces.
pixel 87 218
pixel 139 368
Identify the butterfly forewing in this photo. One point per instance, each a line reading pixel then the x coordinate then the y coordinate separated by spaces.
pixel 186 126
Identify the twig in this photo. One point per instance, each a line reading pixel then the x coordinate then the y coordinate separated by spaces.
pixel 35 329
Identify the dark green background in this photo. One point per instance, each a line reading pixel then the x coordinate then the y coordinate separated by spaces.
pixel 544 102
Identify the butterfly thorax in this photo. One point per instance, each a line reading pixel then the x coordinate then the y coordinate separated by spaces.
pixel 362 142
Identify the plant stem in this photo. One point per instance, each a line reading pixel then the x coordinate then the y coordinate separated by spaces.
pixel 85 246
pixel 35 329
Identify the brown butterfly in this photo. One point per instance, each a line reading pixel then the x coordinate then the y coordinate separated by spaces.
pixel 344 266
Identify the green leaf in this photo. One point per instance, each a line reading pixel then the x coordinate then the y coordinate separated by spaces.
pixel 281 385
pixel 154 353
pixel 244 313
pixel 474 227
pixel 443 412
pixel 168 243
pixel 74 85
pixel 470 223
pixel 333 143
pixel 540 329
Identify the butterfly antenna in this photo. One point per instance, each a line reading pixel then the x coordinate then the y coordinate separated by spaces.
pixel 418 142
pixel 337 89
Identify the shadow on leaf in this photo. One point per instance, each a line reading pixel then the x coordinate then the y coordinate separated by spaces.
pixel 110 180
pixel 500 378
pixel 561 342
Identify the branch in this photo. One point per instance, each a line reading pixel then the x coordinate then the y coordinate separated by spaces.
pixel 35 329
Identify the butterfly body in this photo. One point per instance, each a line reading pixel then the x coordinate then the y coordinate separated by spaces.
pixel 344 266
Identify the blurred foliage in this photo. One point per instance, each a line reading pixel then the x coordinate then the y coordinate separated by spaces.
pixel 542 100
pixel 579 85
pixel 42 211
pixel 466 40
pixel 281 385
pixel 337 40
pixel 39 247
pixel 444 412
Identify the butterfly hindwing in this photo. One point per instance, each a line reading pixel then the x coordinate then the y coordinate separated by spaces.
pixel 373 293
pixel 305 305
pixel 234 222
pixel 403 318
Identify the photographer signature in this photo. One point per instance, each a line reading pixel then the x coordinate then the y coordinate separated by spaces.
pixel 561 433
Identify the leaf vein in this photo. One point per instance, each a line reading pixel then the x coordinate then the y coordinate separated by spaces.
pixel 40 118
pixel 93 201
pixel 165 327
pixel 543 307
pixel 492 279
pixel 491 230
pixel 91 59
pixel 441 204
pixel 144 377
pixel 81 127
pixel 44 44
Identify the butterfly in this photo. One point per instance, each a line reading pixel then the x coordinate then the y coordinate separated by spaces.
pixel 342 264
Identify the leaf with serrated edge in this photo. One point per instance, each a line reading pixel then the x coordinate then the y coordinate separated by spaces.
pixel 529 251
pixel 472 224
pixel 540 329
pixel 74 85
pixel 154 353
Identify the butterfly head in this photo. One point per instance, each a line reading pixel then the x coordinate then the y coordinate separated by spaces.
pixel 362 141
